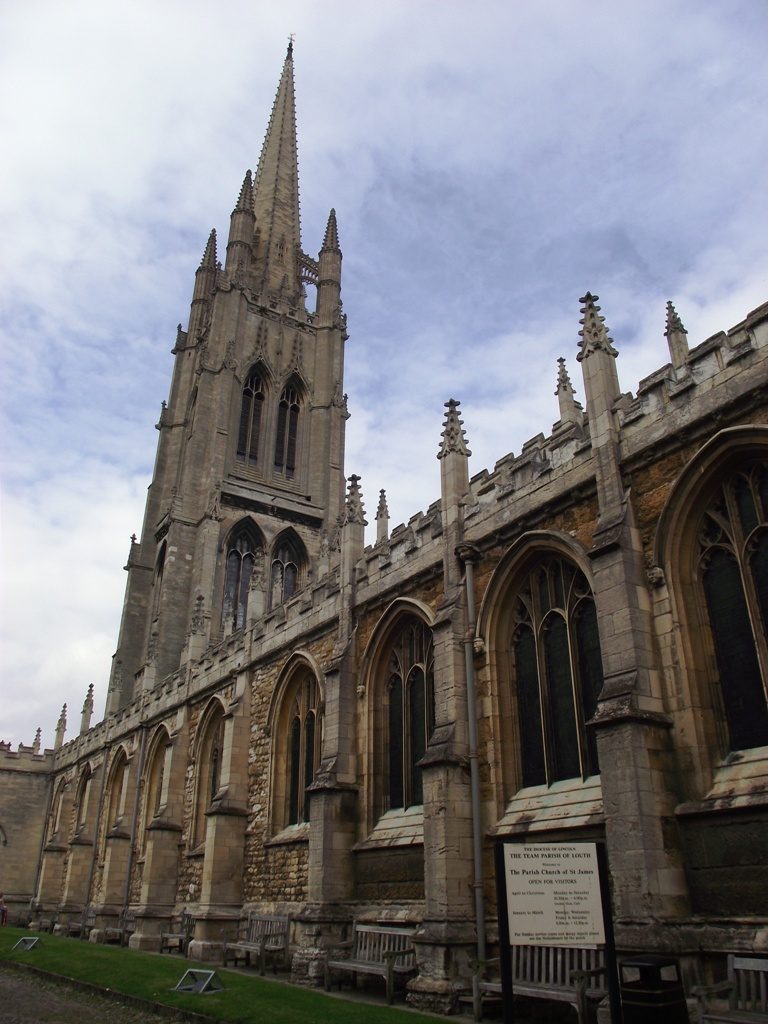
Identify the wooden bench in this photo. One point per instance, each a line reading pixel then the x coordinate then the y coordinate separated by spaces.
pixel 747 991
pixel 177 941
pixel 126 926
pixel 80 927
pixel 570 975
pixel 261 936
pixel 379 950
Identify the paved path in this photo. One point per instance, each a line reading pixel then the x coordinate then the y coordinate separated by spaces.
pixel 28 999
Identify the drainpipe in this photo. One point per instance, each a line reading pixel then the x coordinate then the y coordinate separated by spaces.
pixel 468 554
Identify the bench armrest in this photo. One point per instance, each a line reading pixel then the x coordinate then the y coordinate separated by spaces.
pixel 393 954
pixel 581 976
pixel 704 992
pixel 480 966
pixel 340 945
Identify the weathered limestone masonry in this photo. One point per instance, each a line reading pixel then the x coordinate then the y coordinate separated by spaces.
pixel 289 725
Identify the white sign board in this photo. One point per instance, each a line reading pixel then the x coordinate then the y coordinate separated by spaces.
pixel 553 895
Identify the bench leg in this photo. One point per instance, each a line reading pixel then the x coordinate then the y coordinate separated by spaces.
pixel 390 983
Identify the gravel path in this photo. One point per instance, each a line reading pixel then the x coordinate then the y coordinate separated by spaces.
pixel 29 999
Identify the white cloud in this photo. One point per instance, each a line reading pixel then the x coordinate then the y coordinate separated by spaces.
pixel 486 171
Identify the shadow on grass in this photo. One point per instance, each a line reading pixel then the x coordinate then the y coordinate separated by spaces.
pixel 152 977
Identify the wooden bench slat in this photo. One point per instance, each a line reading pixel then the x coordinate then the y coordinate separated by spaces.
pixel 379 950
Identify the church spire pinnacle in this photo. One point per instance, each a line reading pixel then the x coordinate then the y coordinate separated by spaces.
pixel 276 192
pixel 331 239
pixel 677 337
pixel 245 199
pixel 208 262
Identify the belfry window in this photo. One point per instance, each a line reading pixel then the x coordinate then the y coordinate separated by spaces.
pixel 733 572
pixel 287 432
pixel 557 673
pixel 410 711
pixel 241 557
pixel 284 580
pixel 251 410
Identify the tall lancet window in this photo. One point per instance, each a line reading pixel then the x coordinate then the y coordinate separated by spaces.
pixel 286 570
pixel 733 570
pixel 241 556
pixel 249 433
pixel 303 751
pixel 287 432
pixel 411 714
pixel 558 672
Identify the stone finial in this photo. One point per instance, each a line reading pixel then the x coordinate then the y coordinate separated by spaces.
pixel 87 712
pixel 61 728
pixel 382 519
pixel 594 334
pixel 453 437
pixel 245 199
pixel 331 238
pixel 677 337
pixel 570 410
pixel 37 741
pixel 353 508
pixel 209 260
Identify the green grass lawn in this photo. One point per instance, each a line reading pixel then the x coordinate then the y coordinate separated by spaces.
pixel 153 977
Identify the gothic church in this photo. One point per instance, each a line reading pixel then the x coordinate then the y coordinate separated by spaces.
pixel 572 645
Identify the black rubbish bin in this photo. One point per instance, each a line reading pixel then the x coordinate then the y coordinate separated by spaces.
pixel 651 985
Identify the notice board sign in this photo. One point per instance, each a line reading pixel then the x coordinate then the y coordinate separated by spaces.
pixel 553 894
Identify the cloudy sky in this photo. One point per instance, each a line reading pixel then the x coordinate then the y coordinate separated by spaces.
pixel 489 162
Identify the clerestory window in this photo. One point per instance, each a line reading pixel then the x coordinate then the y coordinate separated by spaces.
pixel 733 573
pixel 557 672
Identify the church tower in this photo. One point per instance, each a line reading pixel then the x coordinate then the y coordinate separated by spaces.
pixel 249 473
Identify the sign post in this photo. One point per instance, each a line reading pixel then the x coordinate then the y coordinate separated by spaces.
pixel 554 895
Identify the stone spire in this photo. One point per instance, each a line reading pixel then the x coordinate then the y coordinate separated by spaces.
pixel 331 239
pixel 453 438
pixel 353 509
pixel 677 337
pixel 205 276
pixel 276 193
pixel 382 519
pixel 570 410
pixel 37 741
pixel 245 199
pixel 87 713
pixel 594 334
pixel 208 262
pixel 61 728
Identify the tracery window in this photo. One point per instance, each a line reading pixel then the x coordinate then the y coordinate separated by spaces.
pixel 303 753
pixel 287 432
pixel 410 710
pixel 251 411
pixel 158 583
pixel 286 571
pixel 210 751
pixel 241 557
pixel 732 556
pixel 81 801
pixel 557 672
pixel 117 785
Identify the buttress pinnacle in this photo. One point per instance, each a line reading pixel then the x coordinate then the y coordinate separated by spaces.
pixel 594 334
pixel 209 256
pixel 245 199
pixel 331 239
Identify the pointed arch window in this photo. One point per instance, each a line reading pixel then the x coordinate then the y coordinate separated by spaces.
pixel 158 584
pixel 251 412
pixel 287 432
pixel 557 672
pixel 117 788
pixel 286 572
pixel 81 801
pixel 303 750
pixel 242 553
pixel 210 752
pixel 732 555
pixel 410 711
